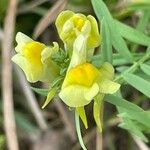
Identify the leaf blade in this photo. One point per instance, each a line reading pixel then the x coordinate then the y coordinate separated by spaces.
pixel 137 82
pixel 132 34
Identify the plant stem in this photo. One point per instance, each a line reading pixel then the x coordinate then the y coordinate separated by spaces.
pixel 78 129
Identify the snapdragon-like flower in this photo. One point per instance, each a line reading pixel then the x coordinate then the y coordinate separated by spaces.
pixel 71 25
pixel 34 58
pixel 84 82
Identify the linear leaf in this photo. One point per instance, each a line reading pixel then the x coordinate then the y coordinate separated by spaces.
pixel 142 117
pixel 119 44
pixel 134 118
pixel 117 101
pixel 132 34
pixel 50 95
pixel 106 47
pixel 117 59
pixel 145 68
pixel 40 91
pixel 133 128
pixel 137 82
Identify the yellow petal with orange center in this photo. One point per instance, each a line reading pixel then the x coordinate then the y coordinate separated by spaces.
pixel 32 52
pixel 84 74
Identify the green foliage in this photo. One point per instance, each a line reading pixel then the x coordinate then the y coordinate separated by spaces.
pixel 139 83
pixel 134 118
pixel 106 48
pixel 62 59
pixel 3 7
pixel 40 91
pixel 145 68
pixel 117 41
pixel 2 141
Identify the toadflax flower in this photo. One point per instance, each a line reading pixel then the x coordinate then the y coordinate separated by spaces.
pixel 84 82
pixel 34 58
pixel 71 25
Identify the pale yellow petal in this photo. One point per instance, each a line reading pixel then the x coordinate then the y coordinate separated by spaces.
pixel 92 92
pixel 33 73
pixel 62 18
pixel 77 95
pixel 79 52
pixel 94 38
pixel 49 51
pixel 107 70
pixel 22 40
pixel 108 87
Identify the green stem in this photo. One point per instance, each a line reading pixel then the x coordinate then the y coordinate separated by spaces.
pixel 134 66
pixel 78 129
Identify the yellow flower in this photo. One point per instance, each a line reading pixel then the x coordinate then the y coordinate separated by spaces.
pixel 34 58
pixel 85 82
pixel 71 25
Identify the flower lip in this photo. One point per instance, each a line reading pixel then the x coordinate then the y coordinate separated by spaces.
pixel 84 74
pixel 78 21
pixel 32 51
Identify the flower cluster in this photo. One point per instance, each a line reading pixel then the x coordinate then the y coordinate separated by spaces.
pixel 69 72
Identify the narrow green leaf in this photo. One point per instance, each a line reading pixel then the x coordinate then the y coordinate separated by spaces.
pixel 106 47
pixel 119 44
pixel 50 96
pixel 143 21
pixel 133 128
pixel 137 82
pixel 24 122
pixel 142 117
pixel 132 115
pixel 132 34
pixel 144 5
pixel 40 91
pixel 145 68
pixel 117 101
pixel 117 59
pixel 101 10
pixel 141 25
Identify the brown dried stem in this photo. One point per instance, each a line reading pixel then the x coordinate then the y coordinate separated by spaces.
pixel 49 17
pixel 65 119
pixel 9 118
pixel 31 99
pixel 30 6
pixel 141 145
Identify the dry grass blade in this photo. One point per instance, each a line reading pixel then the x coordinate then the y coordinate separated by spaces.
pixel 1 34
pixel 9 118
pixel 99 140
pixel 65 119
pixel 49 17
pixel 140 143
pixel 31 99
pixel 30 6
